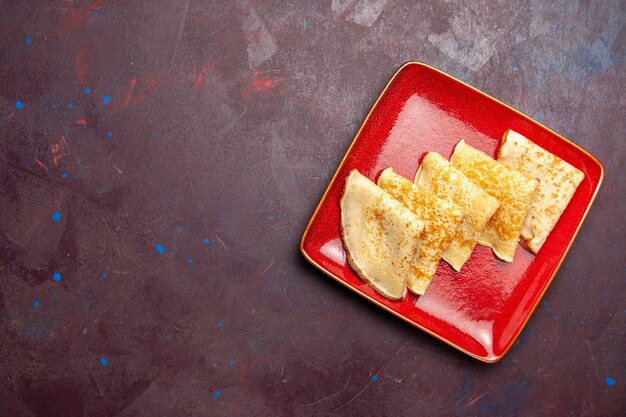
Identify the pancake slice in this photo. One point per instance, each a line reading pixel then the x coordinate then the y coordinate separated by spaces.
pixel 513 189
pixel 558 182
pixel 446 182
pixel 440 217
pixel 380 235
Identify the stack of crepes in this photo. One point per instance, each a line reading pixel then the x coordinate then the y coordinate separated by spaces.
pixel 396 232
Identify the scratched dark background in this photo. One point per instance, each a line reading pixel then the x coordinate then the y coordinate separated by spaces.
pixel 161 159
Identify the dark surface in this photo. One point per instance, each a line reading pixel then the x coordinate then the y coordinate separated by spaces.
pixel 227 121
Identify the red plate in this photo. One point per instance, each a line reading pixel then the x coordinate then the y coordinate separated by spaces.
pixel 482 309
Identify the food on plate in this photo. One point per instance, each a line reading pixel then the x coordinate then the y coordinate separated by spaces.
pixel 441 220
pixel 512 188
pixel 380 235
pixel 477 206
pixel 395 232
pixel 558 182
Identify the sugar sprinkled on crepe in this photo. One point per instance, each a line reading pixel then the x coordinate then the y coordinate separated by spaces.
pixel 380 235
pixel 445 181
pixel 558 182
pixel 513 189
pixel 440 217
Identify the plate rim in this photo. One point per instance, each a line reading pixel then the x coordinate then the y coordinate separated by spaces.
pixel 538 299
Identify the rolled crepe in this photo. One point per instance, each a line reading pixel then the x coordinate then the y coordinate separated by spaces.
pixel 446 182
pixel 558 182
pixel 380 235
pixel 440 217
pixel 513 189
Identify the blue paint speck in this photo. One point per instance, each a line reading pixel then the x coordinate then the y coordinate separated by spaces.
pixel 539 118
pixel 106 99
pixel 270 217
pixel 189 261
pixel 103 361
pixel 86 90
pixel 305 23
pixel 56 276
pixel 70 105
pixel 168 338
pixel 231 363
pixel 109 134
pixel 56 216
pixel 28 40
pixel 36 303
pixel 515 70
pixel 610 381
pixel 216 394
pixel 374 378
pixel 206 241
pixel 221 323
pixel 103 275
pixel 19 104
pixel 64 175
pixel 159 249
pixel 98 12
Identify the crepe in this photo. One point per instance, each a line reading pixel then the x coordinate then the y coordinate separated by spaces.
pixel 513 189
pixel 380 235
pixel 448 183
pixel 558 182
pixel 440 217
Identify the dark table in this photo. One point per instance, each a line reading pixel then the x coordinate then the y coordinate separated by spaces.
pixel 161 159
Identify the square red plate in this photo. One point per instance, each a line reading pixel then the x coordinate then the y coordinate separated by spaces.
pixel 482 309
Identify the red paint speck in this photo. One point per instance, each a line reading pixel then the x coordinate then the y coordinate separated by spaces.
pixel 136 91
pixel 151 82
pixel 58 150
pixel 262 85
pixel 81 122
pixel 41 164
pixel 262 82
pixel 198 82
pixel 129 94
